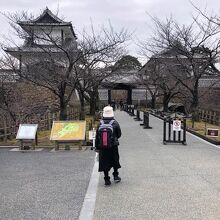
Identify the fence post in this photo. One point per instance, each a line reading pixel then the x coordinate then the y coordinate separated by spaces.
pixel 132 111
pixel 184 131
pixel 126 108
pixel 90 125
pixel 169 131
pixel 146 121
pixel 164 131
pixel 56 146
pixel 138 116
pixel 5 130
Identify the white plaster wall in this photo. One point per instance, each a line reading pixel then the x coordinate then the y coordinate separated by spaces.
pixel 42 36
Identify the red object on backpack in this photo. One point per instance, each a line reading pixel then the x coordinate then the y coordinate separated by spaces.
pixel 105 132
pixel 105 138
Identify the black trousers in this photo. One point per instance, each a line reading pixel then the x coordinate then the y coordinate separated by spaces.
pixel 115 173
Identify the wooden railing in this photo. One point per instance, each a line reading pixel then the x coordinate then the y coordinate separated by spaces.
pixel 212 117
pixel 9 130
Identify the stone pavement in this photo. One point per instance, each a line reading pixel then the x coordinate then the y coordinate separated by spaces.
pixel 161 181
pixel 43 185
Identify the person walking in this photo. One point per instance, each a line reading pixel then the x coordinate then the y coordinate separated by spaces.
pixel 113 105
pixel 121 104
pixel 107 135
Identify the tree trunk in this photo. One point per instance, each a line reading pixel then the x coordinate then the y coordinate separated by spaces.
pixel 82 107
pixel 153 102
pixel 92 105
pixel 63 109
pixel 194 106
pixel 166 99
pixel 93 102
pixel 194 109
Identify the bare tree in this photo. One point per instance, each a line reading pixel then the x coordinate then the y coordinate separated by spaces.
pixel 159 82
pixel 8 97
pixel 195 50
pixel 99 51
pixel 63 65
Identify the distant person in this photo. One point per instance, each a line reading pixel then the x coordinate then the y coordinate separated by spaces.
pixel 117 104
pixel 121 104
pixel 113 105
pixel 107 135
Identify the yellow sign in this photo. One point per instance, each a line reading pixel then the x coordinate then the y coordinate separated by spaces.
pixel 68 130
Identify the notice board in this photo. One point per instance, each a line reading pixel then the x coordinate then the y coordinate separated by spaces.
pixel 27 132
pixel 212 132
pixel 68 131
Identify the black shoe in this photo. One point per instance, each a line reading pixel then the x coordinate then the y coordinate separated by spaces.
pixel 107 182
pixel 117 179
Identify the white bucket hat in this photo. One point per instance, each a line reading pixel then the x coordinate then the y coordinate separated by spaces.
pixel 108 112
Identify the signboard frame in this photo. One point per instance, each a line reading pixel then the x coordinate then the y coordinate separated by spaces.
pixel 26 128
pixel 215 130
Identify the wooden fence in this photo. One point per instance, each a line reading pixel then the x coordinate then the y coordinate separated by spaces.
pixel 212 117
pixel 9 130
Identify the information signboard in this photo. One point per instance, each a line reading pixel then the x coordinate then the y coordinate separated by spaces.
pixel 68 131
pixel 212 132
pixel 176 125
pixel 27 132
pixel 92 134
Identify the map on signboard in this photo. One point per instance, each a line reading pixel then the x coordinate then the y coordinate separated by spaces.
pixel 27 131
pixel 68 130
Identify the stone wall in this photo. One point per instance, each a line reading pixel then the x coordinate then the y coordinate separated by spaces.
pixel 32 101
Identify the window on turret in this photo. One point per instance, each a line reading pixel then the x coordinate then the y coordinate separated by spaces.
pixel 47 37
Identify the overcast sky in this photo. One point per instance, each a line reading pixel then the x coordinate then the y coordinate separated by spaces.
pixel 130 14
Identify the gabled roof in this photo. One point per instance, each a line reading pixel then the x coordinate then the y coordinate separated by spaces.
pixel 47 18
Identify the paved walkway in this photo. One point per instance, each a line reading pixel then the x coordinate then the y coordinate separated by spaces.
pixel 161 181
pixel 43 185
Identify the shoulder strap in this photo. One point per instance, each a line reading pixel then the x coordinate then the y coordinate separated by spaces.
pixel 111 122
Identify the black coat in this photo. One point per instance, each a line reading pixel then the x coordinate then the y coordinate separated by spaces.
pixel 109 158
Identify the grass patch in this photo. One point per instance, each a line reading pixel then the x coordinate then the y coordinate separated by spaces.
pixel 201 128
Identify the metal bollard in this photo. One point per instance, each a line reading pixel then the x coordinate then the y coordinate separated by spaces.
pixel 138 116
pixel 132 111
pixel 146 121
